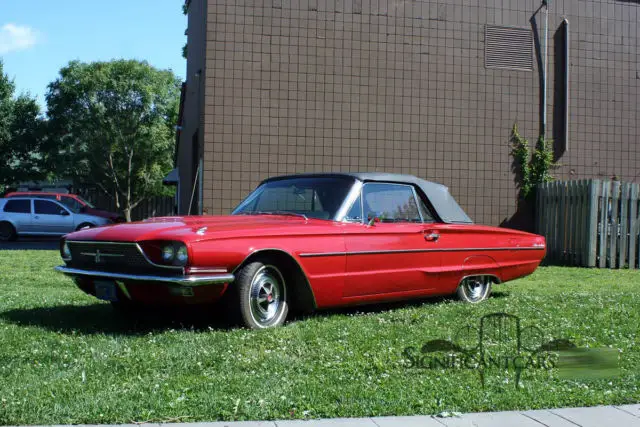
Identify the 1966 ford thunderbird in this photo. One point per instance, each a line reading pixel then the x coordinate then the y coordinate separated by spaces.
pixel 304 242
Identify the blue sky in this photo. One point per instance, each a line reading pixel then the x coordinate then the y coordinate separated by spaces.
pixel 38 37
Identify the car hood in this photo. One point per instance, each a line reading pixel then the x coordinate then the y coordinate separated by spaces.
pixel 196 228
pixel 101 213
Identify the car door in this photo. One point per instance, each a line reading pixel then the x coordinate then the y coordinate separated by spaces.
pixel 18 212
pixel 51 217
pixel 391 254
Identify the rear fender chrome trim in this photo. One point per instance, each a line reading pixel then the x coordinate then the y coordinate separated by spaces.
pixel 408 251
pixel 193 280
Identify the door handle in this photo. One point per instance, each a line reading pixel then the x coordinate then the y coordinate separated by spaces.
pixel 431 236
pixel 36 217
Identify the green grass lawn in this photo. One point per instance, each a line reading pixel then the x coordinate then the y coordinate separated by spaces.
pixel 67 358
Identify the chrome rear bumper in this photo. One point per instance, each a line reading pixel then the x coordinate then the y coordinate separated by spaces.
pixel 191 280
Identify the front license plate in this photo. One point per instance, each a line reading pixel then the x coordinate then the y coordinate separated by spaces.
pixel 106 290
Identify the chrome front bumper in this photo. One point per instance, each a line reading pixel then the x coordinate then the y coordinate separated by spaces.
pixel 191 280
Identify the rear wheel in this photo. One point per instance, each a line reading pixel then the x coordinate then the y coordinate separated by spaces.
pixel 474 289
pixel 262 295
pixel 7 232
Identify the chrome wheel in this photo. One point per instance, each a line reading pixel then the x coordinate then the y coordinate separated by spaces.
pixel 267 295
pixel 475 288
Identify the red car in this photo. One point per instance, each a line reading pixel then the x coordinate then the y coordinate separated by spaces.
pixel 74 202
pixel 304 242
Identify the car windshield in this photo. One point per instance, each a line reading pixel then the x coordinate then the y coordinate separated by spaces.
pixel 86 202
pixel 312 197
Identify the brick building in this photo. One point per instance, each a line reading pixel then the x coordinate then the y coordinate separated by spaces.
pixel 430 88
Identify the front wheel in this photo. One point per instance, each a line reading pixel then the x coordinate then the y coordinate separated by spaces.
pixel 7 232
pixel 474 289
pixel 262 294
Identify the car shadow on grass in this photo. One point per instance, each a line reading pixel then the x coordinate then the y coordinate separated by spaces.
pixel 101 318
pixel 383 307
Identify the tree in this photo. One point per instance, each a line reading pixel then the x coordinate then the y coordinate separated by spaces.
pixel 20 135
pixel 112 124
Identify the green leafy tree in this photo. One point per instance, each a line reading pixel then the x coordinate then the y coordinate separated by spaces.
pixel 20 135
pixel 112 126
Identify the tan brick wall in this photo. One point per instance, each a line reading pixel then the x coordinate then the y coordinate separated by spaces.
pixel 310 85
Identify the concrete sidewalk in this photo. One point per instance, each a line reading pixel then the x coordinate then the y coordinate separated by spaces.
pixel 598 416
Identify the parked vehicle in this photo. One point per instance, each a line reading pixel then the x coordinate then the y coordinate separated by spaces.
pixel 74 202
pixel 34 216
pixel 304 242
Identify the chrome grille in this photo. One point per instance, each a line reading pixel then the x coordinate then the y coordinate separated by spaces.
pixel 110 256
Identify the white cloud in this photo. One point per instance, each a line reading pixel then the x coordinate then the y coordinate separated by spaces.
pixel 16 37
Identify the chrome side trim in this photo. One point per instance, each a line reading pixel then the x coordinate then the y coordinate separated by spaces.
pixel 318 254
pixel 408 251
pixel 178 280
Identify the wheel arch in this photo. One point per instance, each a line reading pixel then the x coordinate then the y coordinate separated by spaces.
pixel 495 279
pixel 303 297
pixel 481 265
pixel 8 221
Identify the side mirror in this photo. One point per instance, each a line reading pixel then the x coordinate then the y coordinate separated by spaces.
pixel 64 213
pixel 372 219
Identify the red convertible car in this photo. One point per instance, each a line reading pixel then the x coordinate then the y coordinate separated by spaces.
pixel 304 242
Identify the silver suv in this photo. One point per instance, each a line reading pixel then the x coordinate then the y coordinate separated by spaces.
pixel 33 216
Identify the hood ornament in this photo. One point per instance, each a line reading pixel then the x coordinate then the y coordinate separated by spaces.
pixel 201 231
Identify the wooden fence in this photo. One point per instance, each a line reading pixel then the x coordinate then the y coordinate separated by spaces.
pixel 590 223
pixel 154 206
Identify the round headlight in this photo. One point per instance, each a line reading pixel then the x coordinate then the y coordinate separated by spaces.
pixel 181 255
pixel 66 252
pixel 168 253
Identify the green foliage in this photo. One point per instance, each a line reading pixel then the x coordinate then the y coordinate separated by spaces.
pixel 21 135
pixel 185 50
pixel 67 358
pixel 112 125
pixel 531 169
pixel 542 161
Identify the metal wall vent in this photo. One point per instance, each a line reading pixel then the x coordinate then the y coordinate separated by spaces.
pixel 508 47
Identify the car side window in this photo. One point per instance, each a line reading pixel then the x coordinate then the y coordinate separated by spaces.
pixel 71 203
pixel 390 202
pixel 18 206
pixel 44 207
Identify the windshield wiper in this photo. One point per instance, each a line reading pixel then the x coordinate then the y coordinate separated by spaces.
pixel 288 213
